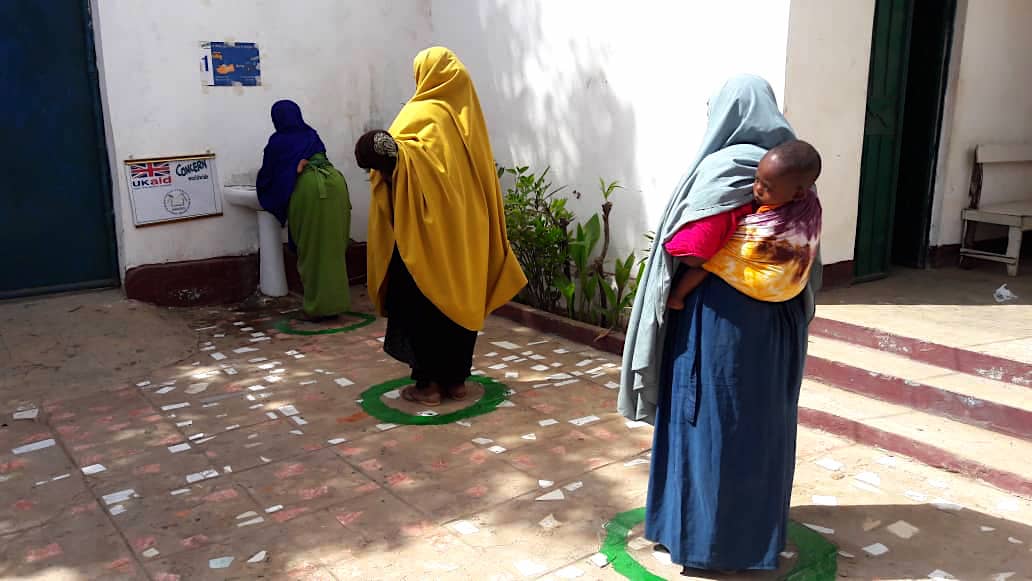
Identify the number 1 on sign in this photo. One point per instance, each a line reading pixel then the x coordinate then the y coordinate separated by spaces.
pixel 207 73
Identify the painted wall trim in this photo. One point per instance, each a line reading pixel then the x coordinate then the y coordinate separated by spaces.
pixel 219 280
pixel 194 283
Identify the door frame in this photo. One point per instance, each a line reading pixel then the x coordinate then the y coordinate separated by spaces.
pixel 947 64
pixel 936 255
pixel 103 174
pixel 106 183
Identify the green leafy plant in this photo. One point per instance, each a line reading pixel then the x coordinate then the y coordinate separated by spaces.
pixel 567 270
pixel 604 310
pixel 582 246
pixel 620 295
pixel 537 221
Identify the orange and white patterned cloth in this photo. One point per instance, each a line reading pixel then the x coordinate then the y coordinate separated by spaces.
pixel 770 254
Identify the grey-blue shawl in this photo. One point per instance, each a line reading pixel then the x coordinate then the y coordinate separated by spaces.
pixel 744 122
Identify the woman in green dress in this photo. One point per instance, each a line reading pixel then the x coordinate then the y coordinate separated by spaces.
pixel 299 185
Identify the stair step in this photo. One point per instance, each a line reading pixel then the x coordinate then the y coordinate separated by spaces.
pixel 997 459
pixel 1000 460
pixel 953 358
pixel 994 405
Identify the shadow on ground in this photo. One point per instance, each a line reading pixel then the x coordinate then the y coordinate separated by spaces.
pixel 967 544
pixel 949 286
pixel 256 449
pixel 76 343
pixel 252 459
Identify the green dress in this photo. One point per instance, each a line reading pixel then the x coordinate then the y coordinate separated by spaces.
pixel 319 219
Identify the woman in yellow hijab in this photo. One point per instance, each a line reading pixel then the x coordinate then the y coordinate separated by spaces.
pixel 439 260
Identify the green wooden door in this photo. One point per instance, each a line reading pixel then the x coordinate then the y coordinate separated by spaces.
pixel 879 169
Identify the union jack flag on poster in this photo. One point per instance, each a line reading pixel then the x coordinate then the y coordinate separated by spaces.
pixel 150 170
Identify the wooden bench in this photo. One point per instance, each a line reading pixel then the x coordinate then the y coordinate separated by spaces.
pixel 1017 215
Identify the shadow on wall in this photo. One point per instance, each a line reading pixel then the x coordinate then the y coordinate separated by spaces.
pixel 548 107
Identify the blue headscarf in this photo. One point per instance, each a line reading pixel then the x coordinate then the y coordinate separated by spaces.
pixel 293 141
pixel 744 122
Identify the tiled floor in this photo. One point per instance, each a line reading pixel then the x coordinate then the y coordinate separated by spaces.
pixel 252 458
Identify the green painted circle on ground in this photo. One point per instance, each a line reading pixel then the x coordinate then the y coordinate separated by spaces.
pixel 494 395
pixel 818 558
pixel 284 326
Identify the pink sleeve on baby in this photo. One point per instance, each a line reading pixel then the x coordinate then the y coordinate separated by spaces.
pixel 702 238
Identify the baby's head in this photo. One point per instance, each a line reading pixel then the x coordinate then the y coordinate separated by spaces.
pixel 377 150
pixel 786 173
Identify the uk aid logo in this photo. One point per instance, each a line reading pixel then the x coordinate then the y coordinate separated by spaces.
pixel 150 175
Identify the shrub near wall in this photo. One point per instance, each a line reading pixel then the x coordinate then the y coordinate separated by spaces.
pixel 567 273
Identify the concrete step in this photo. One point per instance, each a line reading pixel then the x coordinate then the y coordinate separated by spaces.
pixel 890 377
pixel 994 458
pixel 953 358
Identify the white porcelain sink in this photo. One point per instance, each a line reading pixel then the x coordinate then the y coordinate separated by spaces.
pixel 246 196
pixel 272 279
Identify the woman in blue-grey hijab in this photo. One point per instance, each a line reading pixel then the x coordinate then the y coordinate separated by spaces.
pixel 720 379
pixel 299 185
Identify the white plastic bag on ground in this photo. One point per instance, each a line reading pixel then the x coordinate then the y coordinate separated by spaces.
pixel 1004 294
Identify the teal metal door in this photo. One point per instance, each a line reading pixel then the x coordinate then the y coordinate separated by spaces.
pixel 56 223
pixel 886 91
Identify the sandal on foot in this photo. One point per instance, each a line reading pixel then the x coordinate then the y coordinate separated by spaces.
pixel 687 571
pixel 458 392
pixel 316 318
pixel 416 395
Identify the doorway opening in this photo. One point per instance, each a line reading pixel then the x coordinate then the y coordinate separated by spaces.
pixel 910 56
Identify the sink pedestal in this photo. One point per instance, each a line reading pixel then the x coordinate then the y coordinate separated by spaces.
pixel 272 279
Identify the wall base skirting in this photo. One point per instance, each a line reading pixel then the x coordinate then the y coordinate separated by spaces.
pixel 220 280
pixel 838 275
pixel 192 283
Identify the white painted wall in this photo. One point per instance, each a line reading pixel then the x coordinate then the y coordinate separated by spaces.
pixel 600 88
pixel 594 88
pixel 829 54
pixel 989 101
pixel 348 63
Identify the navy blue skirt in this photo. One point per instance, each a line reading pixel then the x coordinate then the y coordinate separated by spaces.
pixel 723 457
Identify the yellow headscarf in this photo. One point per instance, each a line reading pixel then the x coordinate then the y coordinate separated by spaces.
pixel 444 210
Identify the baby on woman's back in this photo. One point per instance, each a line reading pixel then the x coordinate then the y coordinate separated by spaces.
pixel 786 174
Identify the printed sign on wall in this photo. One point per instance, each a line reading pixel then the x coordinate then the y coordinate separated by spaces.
pixel 225 64
pixel 172 188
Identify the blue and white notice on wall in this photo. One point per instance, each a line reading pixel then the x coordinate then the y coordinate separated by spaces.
pixel 229 64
